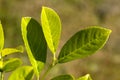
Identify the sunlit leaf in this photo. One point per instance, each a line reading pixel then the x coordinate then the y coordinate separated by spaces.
pixel 22 73
pixel 8 51
pixel 35 43
pixel 51 26
pixel 1 39
pixel 11 64
pixel 1 66
pixel 1 44
pixel 84 43
pixel 86 77
pixel 63 77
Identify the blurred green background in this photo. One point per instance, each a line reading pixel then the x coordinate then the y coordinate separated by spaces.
pixel 75 15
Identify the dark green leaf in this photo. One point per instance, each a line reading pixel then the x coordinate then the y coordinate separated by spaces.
pixel 63 77
pixel 22 73
pixel 51 26
pixel 11 64
pixel 84 43
pixel 35 43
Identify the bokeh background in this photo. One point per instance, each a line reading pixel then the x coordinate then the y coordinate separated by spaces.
pixel 75 15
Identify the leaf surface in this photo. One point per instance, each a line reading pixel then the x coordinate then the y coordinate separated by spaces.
pixel 11 64
pixel 86 77
pixel 84 43
pixel 1 66
pixel 35 43
pixel 51 26
pixel 22 73
pixel 63 77
pixel 8 51
pixel 1 39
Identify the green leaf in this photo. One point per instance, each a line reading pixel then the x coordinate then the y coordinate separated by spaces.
pixel 1 66
pixel 51 26
pixel 35 43
pixel 22 73
pixel 8 51
pixel 63 77
pixel 1 39
pixel 84 43
pixel 86 77
pixel 11 64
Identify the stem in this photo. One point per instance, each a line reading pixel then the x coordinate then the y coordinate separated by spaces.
pixel 48 70
pixel 1 75
pixel 54 62
pixel 38 77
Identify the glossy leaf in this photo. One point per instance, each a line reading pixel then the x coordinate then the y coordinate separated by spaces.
pixel 35 43
pixel 63 77
pixel 1 39
pixel 11 64
pixel 86 77
pixel 84 43
pixel 51 26
pixel 8 51
pixel 22 73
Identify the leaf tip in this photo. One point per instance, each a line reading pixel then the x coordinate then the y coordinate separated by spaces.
pixel 43 7
pixel 109 31
pixel 26 18
pixel 20 48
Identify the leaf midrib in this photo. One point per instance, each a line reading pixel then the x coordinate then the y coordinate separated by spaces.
pixel 51 39
pixel 80 47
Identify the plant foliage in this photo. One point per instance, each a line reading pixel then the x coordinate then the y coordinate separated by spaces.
pixel 63 77
pixel 22 73
pixel 51 26
pixel 37 37
pixel 84 43
pixel 34 42
pixel 86 77
pixel 1 39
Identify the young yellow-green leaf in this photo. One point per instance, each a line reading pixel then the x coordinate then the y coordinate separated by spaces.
pixel 22 73
pixel 86 77
pixel 51 26
pixel 1 66
pixel 1 39
pixel 63 77
pixel 35 43
pixel 8 51
pixel 84 43
pixel 11 64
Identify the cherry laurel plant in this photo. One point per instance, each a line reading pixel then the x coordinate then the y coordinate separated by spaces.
pixel 37 37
